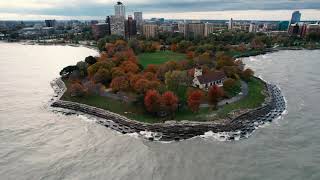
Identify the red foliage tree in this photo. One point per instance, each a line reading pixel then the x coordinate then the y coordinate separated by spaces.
pixel 190 54
pixel 141 85
pixel 214 94
pixel 169 102
pixel 194 100
pixel 152 101
pixel 151 68
pixel 173 47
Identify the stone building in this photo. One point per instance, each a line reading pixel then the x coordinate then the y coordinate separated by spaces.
pixel 205 81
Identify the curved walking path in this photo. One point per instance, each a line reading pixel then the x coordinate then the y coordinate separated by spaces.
pixel 244 93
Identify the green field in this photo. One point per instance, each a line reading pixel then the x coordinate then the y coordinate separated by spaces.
pixel 137 112
pixel 254 99
pixel 159 57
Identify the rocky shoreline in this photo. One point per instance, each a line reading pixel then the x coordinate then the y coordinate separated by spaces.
pixel 240 127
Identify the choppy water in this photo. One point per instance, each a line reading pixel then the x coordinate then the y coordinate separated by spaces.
pixel 36 143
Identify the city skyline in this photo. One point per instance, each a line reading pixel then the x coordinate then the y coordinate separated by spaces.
pixel 204 9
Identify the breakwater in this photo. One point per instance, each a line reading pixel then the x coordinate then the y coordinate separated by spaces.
pixel 240 127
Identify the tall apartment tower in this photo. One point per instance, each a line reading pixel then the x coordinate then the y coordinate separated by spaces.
pixel 139 20
pixel 296 16
pixel 120 10
pixel 130 27
pixel 230 26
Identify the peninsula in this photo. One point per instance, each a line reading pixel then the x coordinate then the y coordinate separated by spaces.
pixel 174 92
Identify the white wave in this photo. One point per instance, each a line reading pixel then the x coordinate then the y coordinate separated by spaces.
pixel 221 136
pixel 134 135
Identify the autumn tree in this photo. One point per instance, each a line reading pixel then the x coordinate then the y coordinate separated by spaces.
pixel 119 84
pixel 214 94
pixel 173 47
pixel 102 76
pixel 194 100
pixel 77 90
pixel 151 68
pixel 117 72
pixel 231 87
pixel 82 67
pixel 247 74
pixel 141 85
pixel 108 65
pixel 169 102
pixel 129 67
pixel 152 101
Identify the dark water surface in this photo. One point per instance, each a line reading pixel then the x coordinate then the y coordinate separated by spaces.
pixel 36 143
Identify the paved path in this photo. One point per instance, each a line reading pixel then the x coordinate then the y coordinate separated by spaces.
pixel 244 93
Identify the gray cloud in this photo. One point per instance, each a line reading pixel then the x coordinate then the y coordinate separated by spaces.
pixel 101 9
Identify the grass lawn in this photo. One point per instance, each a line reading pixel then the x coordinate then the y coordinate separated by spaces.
pixel 136 112
pixel 254 99
pixel 160 57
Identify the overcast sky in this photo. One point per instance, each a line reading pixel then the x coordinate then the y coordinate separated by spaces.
pixel 180 9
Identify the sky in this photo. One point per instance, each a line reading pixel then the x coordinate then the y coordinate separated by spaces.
pixel 169 9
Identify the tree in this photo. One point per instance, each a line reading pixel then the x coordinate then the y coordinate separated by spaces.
pixel 247 74
pixel 194 100
pixel 169 102
pixel 117 72
pixel 108 65
pixel 152 101
pixel 90 60
pixel 129 66
pixel 173 47
pixel 214 94
pixel 77 90
pixel 82 67
pixel 119 84
pixel 102 76
pixel 231 87
pixel 152 68
pixel 65 72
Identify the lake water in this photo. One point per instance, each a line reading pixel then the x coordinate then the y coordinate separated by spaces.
pixel 36 143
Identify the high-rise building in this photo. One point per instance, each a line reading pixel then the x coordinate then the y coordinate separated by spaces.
pixel 50 23
pixel 138 18
pixel 296 16
pixel 166 28
pixel 230 25
pixel 108 21
pixel 182 28
pixel 253 27
pixel 209 28
pixel 120 10
pixel 100 30
pixel 117 26
pixel 150 30
pixel 310 28
pixel 195 30
pixel 130 27
pixel 294 29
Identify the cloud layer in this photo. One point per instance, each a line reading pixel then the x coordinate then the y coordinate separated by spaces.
pixel 101 8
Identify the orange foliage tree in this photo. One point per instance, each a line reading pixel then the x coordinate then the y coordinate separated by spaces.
pixel 119 84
